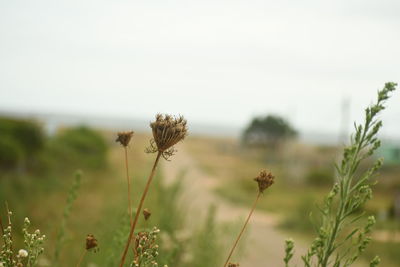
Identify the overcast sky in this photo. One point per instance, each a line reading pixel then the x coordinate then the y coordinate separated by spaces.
pixel 214 61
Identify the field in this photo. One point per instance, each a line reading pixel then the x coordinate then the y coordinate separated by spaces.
pixel 201 195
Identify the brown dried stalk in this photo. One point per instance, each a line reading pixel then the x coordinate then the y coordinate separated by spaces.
pixel 167 131
pixel 139 208
pixel 264 181
pixel 1 226
pixel 81 258
pixel 124 138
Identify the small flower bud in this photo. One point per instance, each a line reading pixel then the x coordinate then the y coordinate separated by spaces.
pixel 146 214
pixel 264 180
pixel 124 138
pixel 91 242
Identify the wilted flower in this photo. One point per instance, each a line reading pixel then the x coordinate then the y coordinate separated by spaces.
pixel 91 242
pixel 23 253
pixel 124 138
pixel 146 214
pixel 167 131
pixel 264 180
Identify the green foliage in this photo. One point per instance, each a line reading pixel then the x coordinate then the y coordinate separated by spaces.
pixel 28 134
pixel 33 243
pixel 72 195
pixel 320 177
pixel 268 131
pixel 26 256
pixel 11 153
pixel 20 143
pixel 146 249
pixel 340 241
pixel 289 247
pixel 206 249
pixel 79 147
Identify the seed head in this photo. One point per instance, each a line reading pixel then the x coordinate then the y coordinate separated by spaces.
pixel 233 264
pixel 146 214
pixel 91 242
pixel 264 180
pixel 167 131
pixel 124 138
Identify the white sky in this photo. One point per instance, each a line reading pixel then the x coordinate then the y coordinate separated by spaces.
pixel 215 61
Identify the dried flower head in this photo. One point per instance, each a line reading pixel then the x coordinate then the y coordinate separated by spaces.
pixel 146 214
pixel 167 131
pixel 264 180
pixel 233 264
pixel 91 242
pixel 124 138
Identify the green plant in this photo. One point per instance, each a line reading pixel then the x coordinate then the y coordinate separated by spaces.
pixel 11 153
pixel 26 256
pixel 340 241
pixel 21 143
pixel 72 195
pixel 78 147
pixel 207 246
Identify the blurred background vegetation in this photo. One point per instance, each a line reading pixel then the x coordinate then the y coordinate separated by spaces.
pixel 37 170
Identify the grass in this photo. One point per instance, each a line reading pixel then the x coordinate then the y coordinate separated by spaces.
pixel 291 199
pixel 103 209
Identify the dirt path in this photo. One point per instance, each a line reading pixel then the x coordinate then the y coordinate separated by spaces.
pixel 265 242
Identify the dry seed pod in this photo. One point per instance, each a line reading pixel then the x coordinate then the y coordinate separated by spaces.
pixel 91 242
pixel 167 131
pixel 264 180
pixel 146 214
pixel 124 138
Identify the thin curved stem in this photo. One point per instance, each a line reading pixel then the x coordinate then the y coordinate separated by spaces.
pixel 81 258
pixel 244 227
pixel 1 226
pixel 139 209
pixel 129 185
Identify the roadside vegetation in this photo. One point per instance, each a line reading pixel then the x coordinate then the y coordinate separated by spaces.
pixel 117 211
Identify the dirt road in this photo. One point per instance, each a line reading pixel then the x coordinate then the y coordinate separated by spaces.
pixel 264 242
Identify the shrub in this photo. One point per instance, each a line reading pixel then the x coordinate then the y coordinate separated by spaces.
pixel 79 147
pixel 21 142
pixel 11 153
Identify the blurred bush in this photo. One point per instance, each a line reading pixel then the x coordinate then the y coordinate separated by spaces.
pixel 320 177
pixel 11 154
pixel 78 148
pixel 21 142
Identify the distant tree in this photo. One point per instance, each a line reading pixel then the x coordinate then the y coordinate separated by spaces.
pixel 269 131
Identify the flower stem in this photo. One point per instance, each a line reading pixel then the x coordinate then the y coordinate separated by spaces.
pixel 129 185
pixel 1 226
pixel 244 227
pixel 139 209
pixel 81 258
